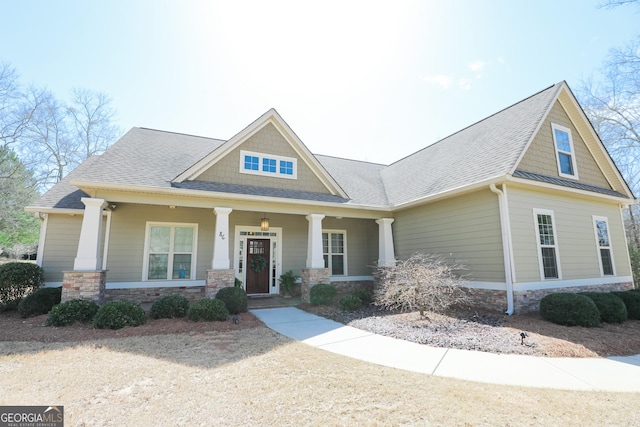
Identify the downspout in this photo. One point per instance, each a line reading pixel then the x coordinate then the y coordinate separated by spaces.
pixel 506 246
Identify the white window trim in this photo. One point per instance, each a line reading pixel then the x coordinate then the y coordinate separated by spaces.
pixel 194 253
pixel 540 246
pixel 344 241
pixel 261 156
pixel 598 247
pixel 558 151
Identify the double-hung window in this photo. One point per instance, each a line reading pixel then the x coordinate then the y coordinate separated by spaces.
pixel 603 242
pixel 170 251
pixel 334 249
pixel 565 153
pixel 547 244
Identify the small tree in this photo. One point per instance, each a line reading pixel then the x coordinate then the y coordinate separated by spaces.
pixel 422 282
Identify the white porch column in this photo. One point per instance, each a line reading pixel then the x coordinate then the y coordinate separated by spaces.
pixel 386 254
pixel 221 260
pixel 88 256
pixel 314 241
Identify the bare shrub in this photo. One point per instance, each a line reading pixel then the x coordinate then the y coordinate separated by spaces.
pixel 423 282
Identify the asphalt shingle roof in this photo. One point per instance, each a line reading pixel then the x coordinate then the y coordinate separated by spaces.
pixel 487 149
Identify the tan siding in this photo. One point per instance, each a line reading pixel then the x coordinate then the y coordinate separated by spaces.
pixel 541 155
pixel 268 141
pixel 578 254
pixel 126 244
pixel 61 245
pixel 465 229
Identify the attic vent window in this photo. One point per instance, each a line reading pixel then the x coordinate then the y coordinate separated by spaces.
pixel 268 165
pixel 564 151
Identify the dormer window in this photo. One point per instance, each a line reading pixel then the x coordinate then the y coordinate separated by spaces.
pixel 268 165
pixel 565 153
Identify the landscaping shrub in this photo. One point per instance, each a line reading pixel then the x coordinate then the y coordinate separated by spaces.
pixel 170 307
pixel 631 301
pixel 365 296
pixel 208 309
pixel 16 280
pixel 611 307
pixel 350 302
pixel 570 310
pixel 41 301
pixel 118 314
pixel 235 299
pixel 322 294
pixel 71 311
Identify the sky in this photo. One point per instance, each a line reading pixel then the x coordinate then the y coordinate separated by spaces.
pixel 366 80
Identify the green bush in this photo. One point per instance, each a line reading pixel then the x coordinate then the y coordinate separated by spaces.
pixel 350 302
pixel 16 280
pixel 570 310
pixel 365 296
pixel 235 299
pixel 41 301
pixel 208 309
pixel 71 311
pixel 611 307
pixel 322 294
pixel 631 301
pixel 170 307
pixel 118 314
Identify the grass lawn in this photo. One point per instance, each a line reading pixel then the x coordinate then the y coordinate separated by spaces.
pixel 257 377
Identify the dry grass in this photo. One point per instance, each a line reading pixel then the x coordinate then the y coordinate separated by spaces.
pixel 257 377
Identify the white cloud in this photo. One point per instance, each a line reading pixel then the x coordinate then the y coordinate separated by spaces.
pixel 477 66
pixel 464 84
pixel 441 80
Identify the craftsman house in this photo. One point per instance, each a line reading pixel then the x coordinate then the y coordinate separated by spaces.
pixel 527 199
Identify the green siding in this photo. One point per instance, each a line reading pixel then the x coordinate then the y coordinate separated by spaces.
pixel 61 245
pixel 465 229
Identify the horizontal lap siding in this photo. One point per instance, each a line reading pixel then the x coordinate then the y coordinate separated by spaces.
pixel 578 253
pixel 61 245
pixel 126 243
pixel 465 229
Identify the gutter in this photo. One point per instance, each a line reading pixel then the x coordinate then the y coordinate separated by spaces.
pixel 506 244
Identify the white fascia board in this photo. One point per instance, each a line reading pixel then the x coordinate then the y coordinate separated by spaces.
pixel 47 210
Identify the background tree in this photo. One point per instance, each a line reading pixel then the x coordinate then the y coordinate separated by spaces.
pixel 611 100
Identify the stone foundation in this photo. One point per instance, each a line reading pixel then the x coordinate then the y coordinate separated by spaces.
pixel 351 286
pixel 87 285
pixel 150 295
pixel 528 301
pixel 218 279
pixel 310 277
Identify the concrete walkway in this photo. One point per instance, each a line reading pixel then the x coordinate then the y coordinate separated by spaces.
pixel 620 374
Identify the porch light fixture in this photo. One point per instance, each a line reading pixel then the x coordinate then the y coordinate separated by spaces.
pixel 264 224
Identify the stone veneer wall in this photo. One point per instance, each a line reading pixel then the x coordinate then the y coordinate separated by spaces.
pixel 150 295
pixel 528 301
pixel 87 285
pixel 218 279
pixel 310 277
pixel 350 286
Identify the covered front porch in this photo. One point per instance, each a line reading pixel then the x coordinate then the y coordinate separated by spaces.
pixel 140 251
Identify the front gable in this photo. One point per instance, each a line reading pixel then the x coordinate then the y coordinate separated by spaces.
pixel 265 154
pixel 590 165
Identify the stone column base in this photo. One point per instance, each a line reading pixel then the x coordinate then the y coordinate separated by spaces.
pixel 313 276
pixel 87 285
pixel 218 279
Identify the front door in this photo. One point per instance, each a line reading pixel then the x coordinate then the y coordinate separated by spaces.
pixel 258 261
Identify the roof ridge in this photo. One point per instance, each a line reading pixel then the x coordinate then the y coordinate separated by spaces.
pixel 180 133
pixel 477 122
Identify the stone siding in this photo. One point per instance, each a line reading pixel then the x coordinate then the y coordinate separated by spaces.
pixel 87 285
pixel 350 286
pixel 310 277
pixel 150 295
pixel 218 279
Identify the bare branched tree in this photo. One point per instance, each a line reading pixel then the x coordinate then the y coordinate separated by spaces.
pixel 422 282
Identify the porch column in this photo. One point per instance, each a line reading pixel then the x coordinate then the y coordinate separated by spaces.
pixel 386 254
pixel 221 259
pixel 314 241
pixel 88 256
